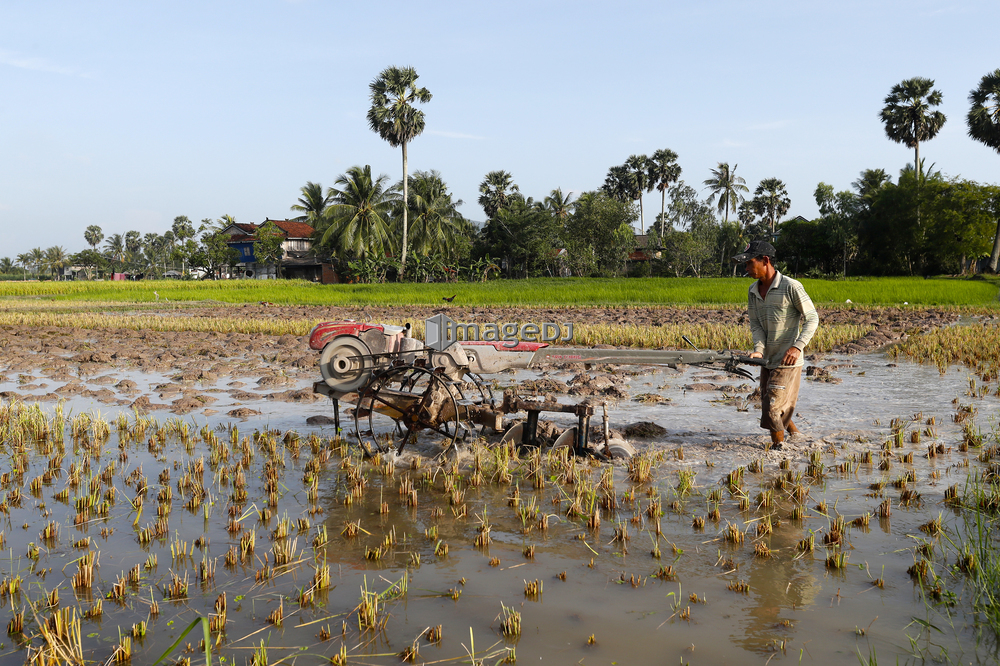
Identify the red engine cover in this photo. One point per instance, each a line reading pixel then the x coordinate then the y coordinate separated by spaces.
pixel 328 330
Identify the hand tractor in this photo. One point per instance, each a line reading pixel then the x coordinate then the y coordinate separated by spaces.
pixel 400 387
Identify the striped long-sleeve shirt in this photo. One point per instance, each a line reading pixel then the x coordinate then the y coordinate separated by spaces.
pixel 785 318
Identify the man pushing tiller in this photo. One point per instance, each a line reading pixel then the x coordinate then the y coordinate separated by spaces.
pixel 783 320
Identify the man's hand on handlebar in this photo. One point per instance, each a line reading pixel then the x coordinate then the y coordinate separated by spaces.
pixel 791 356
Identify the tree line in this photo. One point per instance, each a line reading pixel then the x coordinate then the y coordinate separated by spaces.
pixel 373 229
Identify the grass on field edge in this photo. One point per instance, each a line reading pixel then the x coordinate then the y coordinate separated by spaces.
pixel 537 292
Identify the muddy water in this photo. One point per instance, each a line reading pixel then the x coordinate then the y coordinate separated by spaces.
pixel 599 601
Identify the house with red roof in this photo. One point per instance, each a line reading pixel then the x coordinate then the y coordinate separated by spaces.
pixel 298 260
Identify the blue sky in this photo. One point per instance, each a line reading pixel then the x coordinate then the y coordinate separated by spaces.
pixel 127 114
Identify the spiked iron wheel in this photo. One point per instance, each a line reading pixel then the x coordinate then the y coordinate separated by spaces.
pixel 405 401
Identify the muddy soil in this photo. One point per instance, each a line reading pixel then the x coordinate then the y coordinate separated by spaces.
pixel 53 363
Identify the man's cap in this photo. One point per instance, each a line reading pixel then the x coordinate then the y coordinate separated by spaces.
pixel 753 249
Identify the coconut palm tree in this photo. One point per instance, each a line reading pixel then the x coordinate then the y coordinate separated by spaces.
pixel 907 114
pixel 984 126
pixel 37 258
pixel 93 235
pixel 312 203
pixel 770 201
pixel 496 192
pixel 435 222
pixel 559 204
pixel 663 170
pixel 56 259
pixel 358 218
pixel 24 259
pixel 870 183
pixel 728 187
pixel 114 248
pixel 393 117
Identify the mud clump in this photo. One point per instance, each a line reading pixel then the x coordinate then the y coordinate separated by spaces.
pixel 645 430
pixel 542 386
pixel 243 413
pixel 705 386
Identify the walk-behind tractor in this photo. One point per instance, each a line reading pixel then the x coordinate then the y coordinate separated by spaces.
pixel 399 386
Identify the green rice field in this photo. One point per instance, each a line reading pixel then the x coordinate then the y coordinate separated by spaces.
pixel 542 292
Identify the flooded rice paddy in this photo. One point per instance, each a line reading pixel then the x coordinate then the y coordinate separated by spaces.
pixel 126 526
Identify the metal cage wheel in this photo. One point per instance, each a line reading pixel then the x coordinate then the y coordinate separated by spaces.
pixel 404 401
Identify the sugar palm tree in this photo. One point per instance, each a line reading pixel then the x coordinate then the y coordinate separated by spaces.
pixel 619 184
pixel 496 192
pixel 93 235
pixel 770 201
pixel 907 114
pixel 393 117
pixel 984 126
pixel 663 170
pixel 312 203
pixel 358 218
pixel 728 187
pixel 639 167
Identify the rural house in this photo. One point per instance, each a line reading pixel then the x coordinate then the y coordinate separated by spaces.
pixel 298 260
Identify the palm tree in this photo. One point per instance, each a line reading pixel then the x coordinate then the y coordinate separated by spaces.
pixel 6 266
pixel 435 222
pixel 770 201
pixel 24 259
pixel 496 192
pixel 393 117
pixel 729 187
pixel 93 235
pixel 133 241
pixel 558 204
pixel 907 114
pixel 639 167
pixel 312 204
pixel 56 259
pixel 984 126
pixel 619 184
pixel 359 214
pixel 114 248
pixel 37 258
pixel 870 183
pixel 663 170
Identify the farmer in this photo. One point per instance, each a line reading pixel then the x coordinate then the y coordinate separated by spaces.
pixel 782 321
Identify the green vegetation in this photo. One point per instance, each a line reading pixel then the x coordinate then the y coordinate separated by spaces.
pixel 539 292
